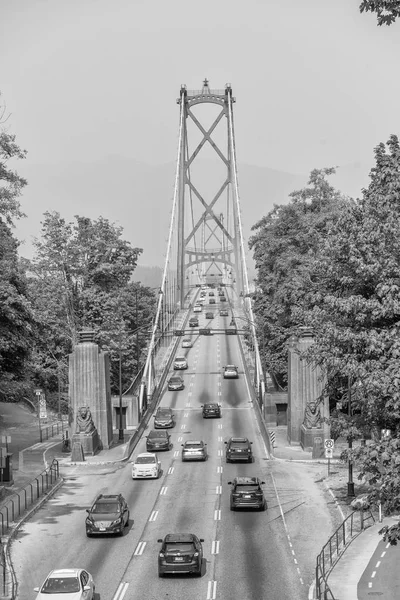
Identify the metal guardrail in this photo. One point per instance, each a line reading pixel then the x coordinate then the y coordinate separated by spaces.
pixel 49 431
pixel 334 548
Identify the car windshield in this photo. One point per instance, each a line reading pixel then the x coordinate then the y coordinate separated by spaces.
pixel 180 547
pixel 193 445
pixel 157 434
pixel 106 507
pixel 238 444
pixel 211 406
pixel 163 413
pixel 61 585
pixel 247 488
pixel 145 460
pixel 175 380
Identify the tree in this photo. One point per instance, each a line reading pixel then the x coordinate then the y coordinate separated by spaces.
pixel 386 11
pixel 284 245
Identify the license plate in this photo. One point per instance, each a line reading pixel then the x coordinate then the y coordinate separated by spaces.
pixel 179 558
pixel 247 496
pixel 102 528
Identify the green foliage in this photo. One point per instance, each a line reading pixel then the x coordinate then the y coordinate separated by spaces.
pixel 11 184
pixel 386 11
pixel 285 245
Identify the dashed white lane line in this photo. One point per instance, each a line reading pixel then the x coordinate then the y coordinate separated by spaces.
pixel 183 426
pixel 377 564
pixel 121 590
pixel 185 414
pixel 212 590
pixel 219 425
pixel 217 515
pixel 170 471
pixel 218 489
pixel 180 438
pixel 163 491
pixel 286 528
pixel 373 574
pixel 176 453
pixel 220 469
pixel 140 549
pixel 220 453
pixel 383 554
pixel 153 516
pixel 220 438
pixel 215 547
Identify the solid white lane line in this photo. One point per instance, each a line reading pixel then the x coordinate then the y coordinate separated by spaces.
pixel 215 547
pixel 170 471
pixel 140 549
pixel 163 491
pixel 217 515
pixel 153 516
pixel 218 489
pixel 121 590
pixel 212 590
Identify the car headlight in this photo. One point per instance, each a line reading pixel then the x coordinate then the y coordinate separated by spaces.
pixel 89 521
pixel 196 554
pixel 117 521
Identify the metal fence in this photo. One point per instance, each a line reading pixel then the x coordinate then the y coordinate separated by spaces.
pixel 48 431
pixel 14 506
pixel 334 548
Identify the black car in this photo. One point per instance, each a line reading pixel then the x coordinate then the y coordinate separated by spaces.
pixel 109 514
pixel 211 409
pixel 180 553
pixel 222 299
pixel 246 492
pixel 209 315
pixel 158 439
pixel 175 382
pixel 238 449
pixel 163 418
pixel 193 322
pixel 211 301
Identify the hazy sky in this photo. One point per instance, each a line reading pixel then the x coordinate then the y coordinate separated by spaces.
pixel 316 82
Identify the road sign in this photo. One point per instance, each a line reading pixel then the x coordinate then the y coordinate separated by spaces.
pixel 328 453
pixel 329 444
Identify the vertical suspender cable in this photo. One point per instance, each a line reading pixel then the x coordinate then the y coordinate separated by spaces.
pixel 147 369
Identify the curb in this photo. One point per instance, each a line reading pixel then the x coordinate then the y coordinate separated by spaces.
pixel 7 539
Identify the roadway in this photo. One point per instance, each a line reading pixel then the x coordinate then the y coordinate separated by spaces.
pixel 251 555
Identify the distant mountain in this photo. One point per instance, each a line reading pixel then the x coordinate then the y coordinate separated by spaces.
pixel 139 197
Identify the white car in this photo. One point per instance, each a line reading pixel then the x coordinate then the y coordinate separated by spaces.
pixel 180 362
pixel 197 309
pixel 67 584
pixel 146 466
pixel 187 343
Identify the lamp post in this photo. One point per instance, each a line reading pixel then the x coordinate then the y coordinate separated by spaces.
pixel 350 483
pixel 121 423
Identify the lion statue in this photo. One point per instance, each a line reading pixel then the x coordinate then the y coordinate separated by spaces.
pixel 312 415
pixel 84 420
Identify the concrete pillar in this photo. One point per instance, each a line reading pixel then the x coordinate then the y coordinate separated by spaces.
pixel 89 385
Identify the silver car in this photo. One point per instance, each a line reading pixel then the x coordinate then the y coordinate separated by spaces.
pixel 194 450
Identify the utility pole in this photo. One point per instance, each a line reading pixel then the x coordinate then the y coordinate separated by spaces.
pixel 121 428
pixel 350 483
pixel 137 335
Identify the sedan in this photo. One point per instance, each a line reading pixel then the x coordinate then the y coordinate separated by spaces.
pixel 194 450
pixel 180 362
pixel 223 312
pixel 175 383
pixel 209 315
pixel 211 409
pixel 158 439
pixel 187 343
pixel 231 372
pixel 164 418
pixel 211 301
pixel 146 466
pixel 67 584
pixel 197 309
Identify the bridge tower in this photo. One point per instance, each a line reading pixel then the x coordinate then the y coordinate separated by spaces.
pixel 209 223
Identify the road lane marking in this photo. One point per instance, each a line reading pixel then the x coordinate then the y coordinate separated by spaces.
pixel 188 404
pixel 183 426
pixel 220 453
pixel 219 425
pixel 153 516
pixel 219 469
pixel 383 554
pixel 121 590
pixel 373 573
pixel 140 549
pixel 212 590
pixel 176 453
pixel 219 393
pixel 215 547
pixel 180 438
pixel 217 515
pixel 218 489
pixel 170 471
pixel 220 438
pixel 377 564
pixel 185 414
pixel 163 491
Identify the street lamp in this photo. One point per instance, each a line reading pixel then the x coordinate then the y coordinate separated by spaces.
pixel 350 483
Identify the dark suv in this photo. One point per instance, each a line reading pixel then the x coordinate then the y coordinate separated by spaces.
pixel 163 418
pixel 109 514
pixel 180 553
pixel 193 322
pixel 158 440
pixel 246 492
pixel 211 409
pixel 238 449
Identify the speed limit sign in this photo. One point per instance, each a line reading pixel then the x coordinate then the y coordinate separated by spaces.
pixel 329 444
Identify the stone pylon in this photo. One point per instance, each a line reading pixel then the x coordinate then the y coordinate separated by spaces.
pixel 89 385
pixel 305 385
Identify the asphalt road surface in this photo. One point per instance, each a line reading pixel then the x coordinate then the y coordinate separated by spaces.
pixel 249 555
pixel 381 578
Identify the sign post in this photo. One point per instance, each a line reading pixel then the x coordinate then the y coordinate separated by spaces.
pixel 329 445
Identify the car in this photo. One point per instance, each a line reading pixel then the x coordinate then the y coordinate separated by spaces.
pixel 193 322
pixel 231 372
pixel 194 450
pixel 238 449
pixel 221 293
pixel 211 409
pixel 146 466
pixel 222 299
pixel 175 383
pixel 211 301
pixel 163 418
pixel 209 315
pixel 158 439
pixel 223 313
pixel 108 514
pixel 180 553
pixel 246 492
pixel 180 362
pixel 211 294
pixel 67 584
pixel 197 309
pixel 187 343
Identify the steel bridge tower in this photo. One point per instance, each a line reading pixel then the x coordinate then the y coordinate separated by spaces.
pixel 210 239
